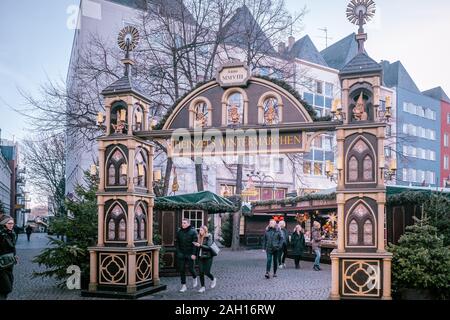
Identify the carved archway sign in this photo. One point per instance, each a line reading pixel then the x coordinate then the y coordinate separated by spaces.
pixel 237 114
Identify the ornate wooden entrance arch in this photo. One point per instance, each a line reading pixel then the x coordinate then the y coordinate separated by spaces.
pixel 241 114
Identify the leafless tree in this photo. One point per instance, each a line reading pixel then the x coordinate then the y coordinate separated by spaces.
pixel 45 160
pixel 182 44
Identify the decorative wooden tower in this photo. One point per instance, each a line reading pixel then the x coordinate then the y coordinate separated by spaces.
pixel 361 267
pixel 125 262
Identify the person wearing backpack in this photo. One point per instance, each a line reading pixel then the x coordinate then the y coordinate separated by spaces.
pixel 205 257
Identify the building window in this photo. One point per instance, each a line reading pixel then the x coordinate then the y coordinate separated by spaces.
pixel 388 130
pixel 420 176
pixel 413 175
pixel 448 118
pixel 319 87
pixel 328 89
pixel 195 216
pixel 318 168
pixel 278 164
pixel 309 98
pixel 319 101
pixel 445 162
pixel 264 163
pixel 405 175
pixel 446 140
pixel 328 141
pixel 430 177
pixel 280 194
pixel 307 167
pixel 432 155
pixel 317 143
pixel 266 194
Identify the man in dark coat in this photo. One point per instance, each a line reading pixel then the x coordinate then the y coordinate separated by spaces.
pixel 29 231
pixel 7 246
pixel 186 251
pixel 272 243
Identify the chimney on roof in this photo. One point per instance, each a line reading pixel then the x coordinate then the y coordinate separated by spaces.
pixel 281 47
pixel 291 42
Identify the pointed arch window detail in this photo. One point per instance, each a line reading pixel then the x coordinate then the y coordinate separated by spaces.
pixel 353 233
pixel 368 233
pixel 361 161
pixel 353 170
pixel 116 224
pixel 116 165
pixel 140 222
pixel 368 169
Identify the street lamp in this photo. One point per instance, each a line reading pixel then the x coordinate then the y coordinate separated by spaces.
pixel 330 172
pixel 390 173
pixel 386 115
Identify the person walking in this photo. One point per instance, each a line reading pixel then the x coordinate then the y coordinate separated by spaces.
pixel 186 252
pixel 205 257
pixel 271 245
pixel 29 231
pixel 282 253
pixel 298 245
pixel 316 239
pixel 7 255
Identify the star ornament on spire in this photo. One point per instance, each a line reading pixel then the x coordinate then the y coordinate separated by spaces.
pixel 360 12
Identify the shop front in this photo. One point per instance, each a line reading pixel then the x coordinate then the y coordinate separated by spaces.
pixel 301 210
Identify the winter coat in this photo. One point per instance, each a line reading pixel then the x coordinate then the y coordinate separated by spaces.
pixel 184 242
pixel 316 238
pixel 285 236
pixel 204 251
pixel 298 244
pixel 7 245
pixel 272 240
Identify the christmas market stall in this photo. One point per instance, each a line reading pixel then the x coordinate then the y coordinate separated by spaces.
pixel 303 210
pixel 404 204
pixel 169 211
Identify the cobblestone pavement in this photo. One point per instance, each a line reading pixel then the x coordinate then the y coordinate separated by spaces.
pixel 240 275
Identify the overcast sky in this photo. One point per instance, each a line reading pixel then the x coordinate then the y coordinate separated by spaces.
pixel 36 43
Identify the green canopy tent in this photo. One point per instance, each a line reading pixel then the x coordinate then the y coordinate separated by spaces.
pixel 169 212
pixel 205 200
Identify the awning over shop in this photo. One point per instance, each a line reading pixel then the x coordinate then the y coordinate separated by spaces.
pixel 205 200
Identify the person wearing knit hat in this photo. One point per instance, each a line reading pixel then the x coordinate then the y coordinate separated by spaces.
pixel 7 247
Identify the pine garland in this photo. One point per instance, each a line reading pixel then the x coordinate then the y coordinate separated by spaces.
pixel 293 201
pixel 413 197
pixel 408 197
pixel 208 207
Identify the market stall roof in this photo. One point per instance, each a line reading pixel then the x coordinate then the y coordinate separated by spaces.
pixel 395 194
pixel 205 200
